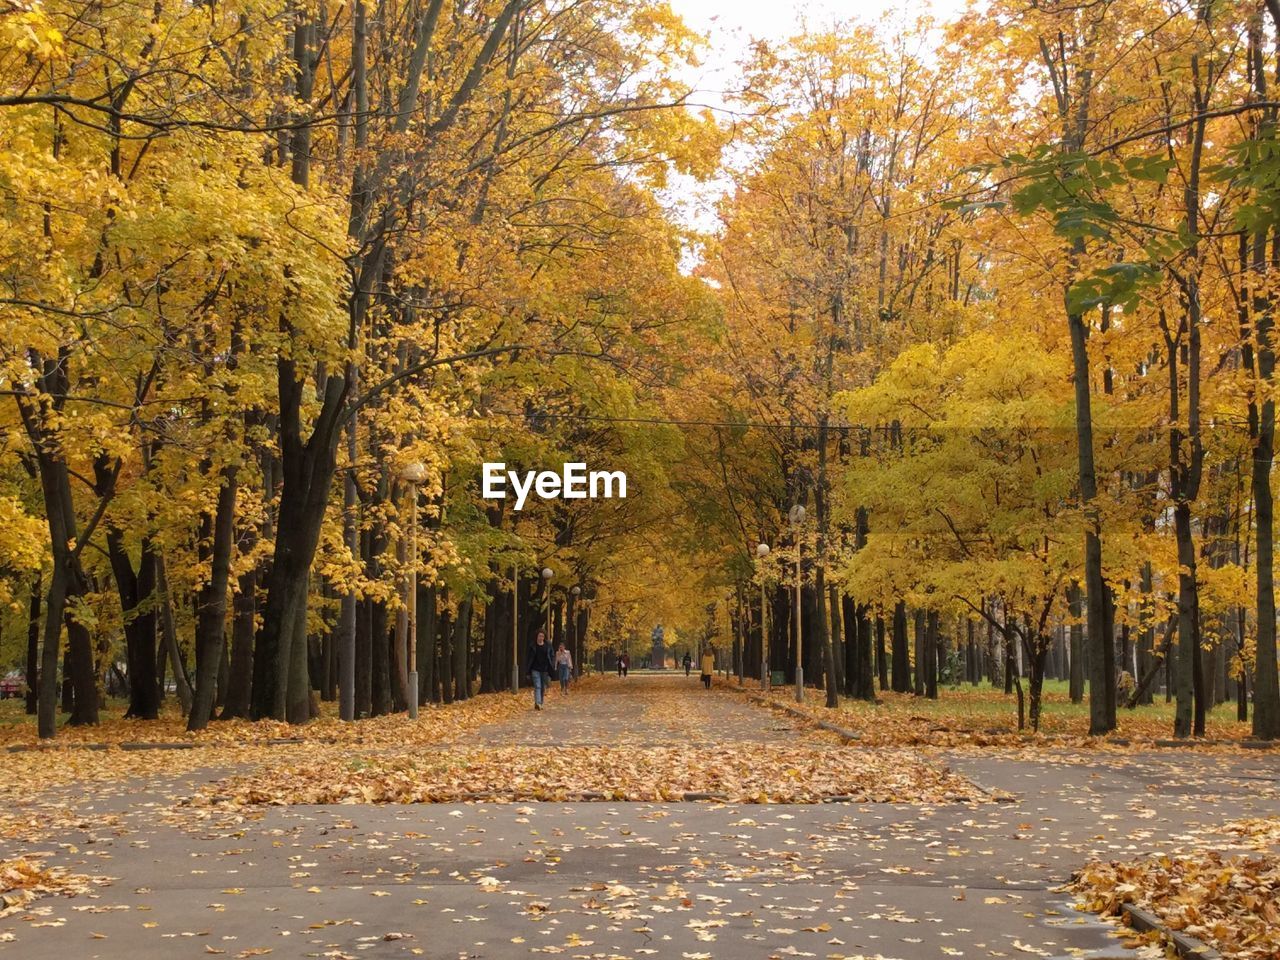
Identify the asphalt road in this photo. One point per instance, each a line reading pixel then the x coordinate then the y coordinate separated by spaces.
pixel 619 880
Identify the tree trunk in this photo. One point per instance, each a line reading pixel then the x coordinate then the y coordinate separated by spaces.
pixel 84 677
pixel 1075 607
pixel 47 704
pixel 1147 637
pixel 932 656
pixel 1188 642
pixel 1036 663
pixel 427 689
pixel 844 642
pixel 364 654
pixel 851 640
pixel 240 674
pixel 169 636
pixel 882 659
pixel 1266 679
pixel 280 689
pixel 33 645
pixel 137 605
pixel 584 614
pixel 444 667
pixel 919 653
pixel 211 617
pixel 381 641
pixel 461 651
pixel 824 638
pixel 866 683
pixel 901 658
pixel 1099 643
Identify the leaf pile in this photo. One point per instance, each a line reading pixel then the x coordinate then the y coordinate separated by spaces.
pixel 1231 903
pixel 758 774
pixel 1257 833
pixel 22 881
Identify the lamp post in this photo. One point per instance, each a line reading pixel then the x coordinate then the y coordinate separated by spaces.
pixel 572 624
pixel 797 521
pixel 414 473
pixel 762 551
pixel 547 574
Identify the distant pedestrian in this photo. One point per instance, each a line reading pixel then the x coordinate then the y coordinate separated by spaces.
pixel 619 664
pixel 625 663
pixel 708 668
pixel 688 663
pixel 564 667
pixel 540 667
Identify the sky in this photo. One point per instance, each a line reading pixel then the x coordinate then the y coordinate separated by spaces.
pixel 730 26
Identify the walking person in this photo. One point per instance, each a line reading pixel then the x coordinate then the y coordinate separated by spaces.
pixel 564 667
pixel 708 667
pixel 540 667
pixel 625 663
pixel 688 663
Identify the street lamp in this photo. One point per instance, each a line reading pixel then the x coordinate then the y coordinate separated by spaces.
pixel 797 521
pixel 762 551
pixel 414 473
pixel 547 574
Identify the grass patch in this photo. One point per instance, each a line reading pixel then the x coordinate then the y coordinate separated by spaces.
pixel 985 709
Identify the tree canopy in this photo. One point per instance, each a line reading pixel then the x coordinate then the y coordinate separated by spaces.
pixel 992 299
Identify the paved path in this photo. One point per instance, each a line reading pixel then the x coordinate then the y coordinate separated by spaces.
pixel 615 880
pixel 646 709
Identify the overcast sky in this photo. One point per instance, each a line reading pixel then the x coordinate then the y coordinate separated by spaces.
pixel 730 25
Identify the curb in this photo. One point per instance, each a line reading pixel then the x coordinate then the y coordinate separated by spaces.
pixel 843 732
pixel 1189 948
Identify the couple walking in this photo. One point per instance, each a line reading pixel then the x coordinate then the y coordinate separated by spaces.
pixel 543 662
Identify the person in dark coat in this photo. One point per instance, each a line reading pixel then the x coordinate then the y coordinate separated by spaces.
pixel 540 667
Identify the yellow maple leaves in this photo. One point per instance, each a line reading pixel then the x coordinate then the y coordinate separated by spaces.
pixel 25 27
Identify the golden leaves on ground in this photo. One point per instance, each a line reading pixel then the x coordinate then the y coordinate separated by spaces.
pixel 393 729
pixel 986 717
pixel 1231 903
pixel 1258 833
pixel 25 880
pixel 34 798
pixel 760 773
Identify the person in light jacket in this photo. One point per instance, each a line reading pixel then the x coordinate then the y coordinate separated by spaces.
pixel 708 668
pixel 564 667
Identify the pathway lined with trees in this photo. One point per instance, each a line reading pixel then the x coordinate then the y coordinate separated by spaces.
pixel 958 424
pixel 991 300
